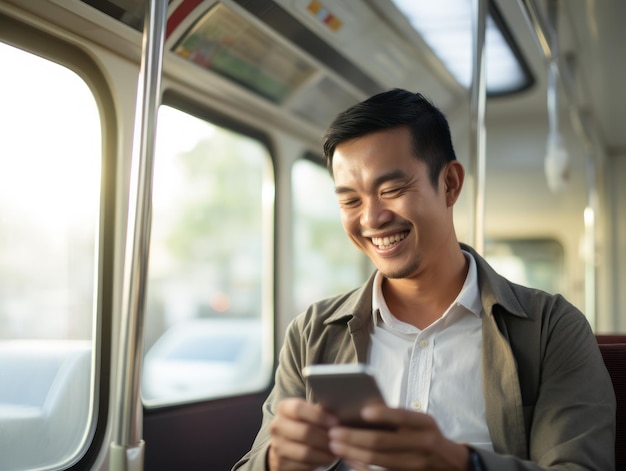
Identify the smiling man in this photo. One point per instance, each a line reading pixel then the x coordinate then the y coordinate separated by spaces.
pixel 478 373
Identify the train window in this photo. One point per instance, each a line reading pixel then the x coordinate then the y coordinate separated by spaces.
pixel 209 285
pixel 325 261
pixel 50 160
pixel 538 263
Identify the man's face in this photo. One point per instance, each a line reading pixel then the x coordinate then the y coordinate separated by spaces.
pixel 389 207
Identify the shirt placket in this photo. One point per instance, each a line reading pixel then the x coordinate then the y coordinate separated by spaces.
pixel 420 372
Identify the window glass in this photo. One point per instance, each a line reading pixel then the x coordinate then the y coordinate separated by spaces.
pixel 209 283
pixel 325 261
pixel 50 158
pixel 538 263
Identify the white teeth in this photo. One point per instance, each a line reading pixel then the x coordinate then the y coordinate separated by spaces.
pixel 387 242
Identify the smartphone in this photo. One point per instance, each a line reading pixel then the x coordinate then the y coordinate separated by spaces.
pixel 343 390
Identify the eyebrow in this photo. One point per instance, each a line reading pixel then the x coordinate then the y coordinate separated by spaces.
pixel 384 178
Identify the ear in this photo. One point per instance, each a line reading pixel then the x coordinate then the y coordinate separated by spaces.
pixel 453 176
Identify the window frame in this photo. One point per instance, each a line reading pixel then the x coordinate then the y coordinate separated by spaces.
pixel 174 99
pixel 49 47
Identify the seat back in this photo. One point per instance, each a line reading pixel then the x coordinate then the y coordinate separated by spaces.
pixel 613 350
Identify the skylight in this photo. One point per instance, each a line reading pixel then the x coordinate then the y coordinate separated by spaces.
pixel 446 26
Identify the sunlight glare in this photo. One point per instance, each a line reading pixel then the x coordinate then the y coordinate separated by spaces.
pixel 51 144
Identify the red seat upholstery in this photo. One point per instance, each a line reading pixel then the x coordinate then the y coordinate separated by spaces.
pixel 613 350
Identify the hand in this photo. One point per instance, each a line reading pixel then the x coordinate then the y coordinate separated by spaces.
pixel 299 437
pixel 414 444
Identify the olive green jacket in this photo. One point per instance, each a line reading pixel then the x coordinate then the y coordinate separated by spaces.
pixel 549 399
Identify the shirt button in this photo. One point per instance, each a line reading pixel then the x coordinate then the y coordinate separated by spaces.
pixel 416 405
pixel 424 343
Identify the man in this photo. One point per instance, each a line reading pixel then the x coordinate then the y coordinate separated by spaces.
pixel 478 373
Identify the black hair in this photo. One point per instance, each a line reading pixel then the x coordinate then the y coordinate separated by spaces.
pixel 429 128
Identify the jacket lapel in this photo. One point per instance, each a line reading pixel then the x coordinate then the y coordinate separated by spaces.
pixel 501 389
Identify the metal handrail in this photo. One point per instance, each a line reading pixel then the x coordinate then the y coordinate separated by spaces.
pixel 477 163
pixel 127 446
pixel 561 68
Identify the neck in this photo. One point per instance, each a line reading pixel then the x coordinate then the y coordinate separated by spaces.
pixel 423 298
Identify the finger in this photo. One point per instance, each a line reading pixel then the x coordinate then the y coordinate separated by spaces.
pixel 368 459
pixel 420 447
pixel 386 441
pixel 301 410
pixel 286 455
pixel 357 466
pixel 299 437
pixel 312 435
pixel 399 418
pixel 448 455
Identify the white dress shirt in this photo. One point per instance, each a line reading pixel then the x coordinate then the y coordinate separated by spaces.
pixel 437 370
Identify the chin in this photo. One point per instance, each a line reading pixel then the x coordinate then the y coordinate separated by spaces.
pixel 406 271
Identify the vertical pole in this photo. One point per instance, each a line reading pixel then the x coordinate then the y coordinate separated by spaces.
pixel 477 125
pixel 590 243
pixel 127 446
pixel 545 33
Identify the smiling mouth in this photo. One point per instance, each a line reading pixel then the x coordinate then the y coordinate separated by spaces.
pixel 385 243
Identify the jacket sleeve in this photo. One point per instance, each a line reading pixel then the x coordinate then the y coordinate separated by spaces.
pixel 571 424
pixel 288 383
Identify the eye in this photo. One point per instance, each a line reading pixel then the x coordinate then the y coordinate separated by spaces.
pixel 396 191
pixel 349 203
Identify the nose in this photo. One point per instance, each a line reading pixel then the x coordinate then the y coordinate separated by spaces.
pixel 375 214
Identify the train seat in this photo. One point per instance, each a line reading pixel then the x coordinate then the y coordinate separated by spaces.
pixel 613 348
pixel 44 395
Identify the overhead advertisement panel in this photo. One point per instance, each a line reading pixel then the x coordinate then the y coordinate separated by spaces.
pixel 225 42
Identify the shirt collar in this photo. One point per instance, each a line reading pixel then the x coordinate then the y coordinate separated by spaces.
pixel 468 297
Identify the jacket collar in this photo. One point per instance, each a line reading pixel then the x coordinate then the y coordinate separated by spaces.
pixel 358 305
pixel 494 289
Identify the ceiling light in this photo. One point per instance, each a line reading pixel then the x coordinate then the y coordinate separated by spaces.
pixel 446 26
